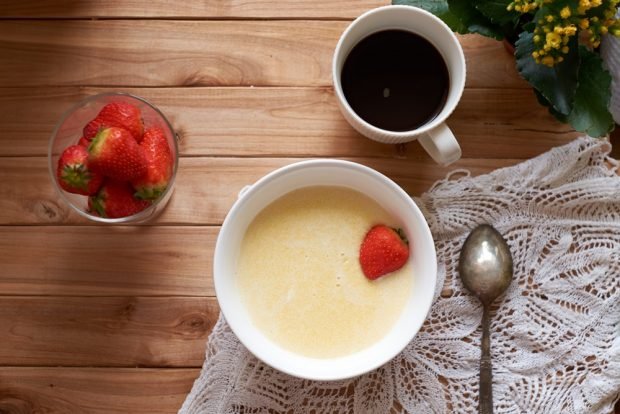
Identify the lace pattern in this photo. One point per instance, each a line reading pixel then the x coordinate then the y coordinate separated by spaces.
pixel 555 334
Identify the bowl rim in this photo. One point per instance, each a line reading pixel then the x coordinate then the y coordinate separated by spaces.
pixel 134 218
pixel 226 307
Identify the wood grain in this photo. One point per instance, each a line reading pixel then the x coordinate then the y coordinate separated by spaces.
pixel 247 84
pixel 105 331
pixel 199 53
pixel 188 9
pixel 274 121
pixel 144 260
pixel 93 390
pixel 205 187
pixel 104 261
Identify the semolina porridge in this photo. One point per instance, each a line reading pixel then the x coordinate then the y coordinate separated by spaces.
pixel 300 278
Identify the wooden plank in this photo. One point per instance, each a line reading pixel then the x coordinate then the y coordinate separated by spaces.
pixel 287 122
pixel 143 260
pixel 205 188
pixel 105 331
pixel 189 9
pixel 198 53
pixel 94 390
pixel 104 261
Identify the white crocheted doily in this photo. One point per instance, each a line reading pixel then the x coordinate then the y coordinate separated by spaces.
pixel 555 334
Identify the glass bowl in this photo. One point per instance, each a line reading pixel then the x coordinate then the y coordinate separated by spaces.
pixel 69 130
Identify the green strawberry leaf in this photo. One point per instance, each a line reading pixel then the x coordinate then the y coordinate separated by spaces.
pixel 150 192
pixel 97 204
pixel 76 175
pixel 496 11
pixel 590 112
pixel 556 84
pixel 440 9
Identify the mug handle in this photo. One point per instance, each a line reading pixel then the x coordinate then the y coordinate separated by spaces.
pixel 441 145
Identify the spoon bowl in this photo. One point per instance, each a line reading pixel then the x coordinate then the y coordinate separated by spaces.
pixel 485 264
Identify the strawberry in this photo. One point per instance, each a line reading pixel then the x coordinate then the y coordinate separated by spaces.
pixel 84 142
pixel 384 250
pixel 116 114
pixel 114 153
pixel 92 128
pixel 159 160
pixel 114 200
pixel 74 173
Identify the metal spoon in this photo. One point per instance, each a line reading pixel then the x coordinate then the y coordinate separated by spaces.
pixel 485 266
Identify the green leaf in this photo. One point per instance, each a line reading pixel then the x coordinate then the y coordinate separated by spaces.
pixel 460 15
pixel 473 20
pixel 496 10
pixel 437 7
pixel 541 100
pixel 557 84
pixel 590 112
pixel 529 26
pixel 440 9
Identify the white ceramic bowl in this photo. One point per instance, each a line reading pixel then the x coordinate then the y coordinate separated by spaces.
pixel 335 173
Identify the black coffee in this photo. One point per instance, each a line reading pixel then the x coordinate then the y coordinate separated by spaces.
pixel 395 80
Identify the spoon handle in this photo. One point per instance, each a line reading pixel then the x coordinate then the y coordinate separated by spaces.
pixel 486 372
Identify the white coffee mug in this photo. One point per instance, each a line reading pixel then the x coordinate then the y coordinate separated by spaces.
pixel 435 136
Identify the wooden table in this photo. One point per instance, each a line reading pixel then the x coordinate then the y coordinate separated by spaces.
pixel 97 319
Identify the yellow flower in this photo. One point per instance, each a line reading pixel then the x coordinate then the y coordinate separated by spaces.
pixel 595 3
pixel 603 30
pixel 560 59
pixel 565 49
pixel 536 38
pixel 565 12
pixel 570 30
pixel 550 18
pixel 548 61
pixel 584 24
pixel 554 40
pixel 535 55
